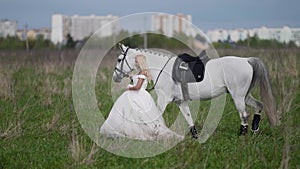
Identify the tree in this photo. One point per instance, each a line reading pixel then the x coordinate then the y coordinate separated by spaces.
pixel 11 43
pixel 70 42
pixel 41 43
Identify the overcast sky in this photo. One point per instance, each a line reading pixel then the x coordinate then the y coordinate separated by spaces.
pixel 208 14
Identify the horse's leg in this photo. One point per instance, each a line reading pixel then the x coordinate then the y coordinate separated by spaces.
pixel 241 107
pixel 185 110
pixel 257 106
pixel 162 100
pixel 161 103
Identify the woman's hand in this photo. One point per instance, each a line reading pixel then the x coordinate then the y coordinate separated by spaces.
pixel 130 76
pixel 129 86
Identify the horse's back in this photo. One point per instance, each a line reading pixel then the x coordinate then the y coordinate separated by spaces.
pixel 237 72
pixel 234 63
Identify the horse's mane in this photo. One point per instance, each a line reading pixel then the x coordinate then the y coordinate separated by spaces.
pixel 157 52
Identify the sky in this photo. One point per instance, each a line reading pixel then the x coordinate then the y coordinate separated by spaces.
pixel 206 14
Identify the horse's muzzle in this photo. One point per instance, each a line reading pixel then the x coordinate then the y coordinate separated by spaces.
pixel 116 78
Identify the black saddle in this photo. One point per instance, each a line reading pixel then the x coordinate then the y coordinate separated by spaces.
pixel 189 69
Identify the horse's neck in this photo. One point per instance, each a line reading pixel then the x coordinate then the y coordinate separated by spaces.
pixel 156 58
pixel 157 61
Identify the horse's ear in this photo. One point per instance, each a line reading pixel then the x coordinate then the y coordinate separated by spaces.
pixel 122 47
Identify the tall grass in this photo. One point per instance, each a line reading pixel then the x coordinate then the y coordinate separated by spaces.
pixel 39 128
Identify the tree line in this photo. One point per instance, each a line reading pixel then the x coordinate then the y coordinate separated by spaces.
pixel 135 40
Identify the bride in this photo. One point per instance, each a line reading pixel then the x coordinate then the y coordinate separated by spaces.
pixel 134 114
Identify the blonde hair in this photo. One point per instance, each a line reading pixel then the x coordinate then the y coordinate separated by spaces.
pixel 142 61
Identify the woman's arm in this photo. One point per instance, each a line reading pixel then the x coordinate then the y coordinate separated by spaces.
pixel 138 85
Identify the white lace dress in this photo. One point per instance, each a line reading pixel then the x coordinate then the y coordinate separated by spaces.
pixel 135 115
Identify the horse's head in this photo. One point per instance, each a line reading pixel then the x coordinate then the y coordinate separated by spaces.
pixel 125 65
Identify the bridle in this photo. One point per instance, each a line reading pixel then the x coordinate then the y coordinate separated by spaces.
pixel 120 72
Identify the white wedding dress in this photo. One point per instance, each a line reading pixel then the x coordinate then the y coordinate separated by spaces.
pixel 135 115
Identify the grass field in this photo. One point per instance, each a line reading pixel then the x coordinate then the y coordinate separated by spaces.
pixel 39 128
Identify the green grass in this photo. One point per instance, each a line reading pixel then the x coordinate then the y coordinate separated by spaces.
pixel 39 128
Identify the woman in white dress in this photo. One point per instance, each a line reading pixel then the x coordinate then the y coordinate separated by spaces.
pixel 134 114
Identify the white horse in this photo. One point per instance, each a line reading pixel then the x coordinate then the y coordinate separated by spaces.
pixel 230 74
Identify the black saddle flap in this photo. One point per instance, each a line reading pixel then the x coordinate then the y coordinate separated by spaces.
pixel 188 69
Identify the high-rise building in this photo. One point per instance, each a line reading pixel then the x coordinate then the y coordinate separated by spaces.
pixel 280 34
pixel 284 35
pixel 8 28
pixel 80 27
pixel 170 24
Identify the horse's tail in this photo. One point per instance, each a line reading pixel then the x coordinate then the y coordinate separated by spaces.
pixel 261 75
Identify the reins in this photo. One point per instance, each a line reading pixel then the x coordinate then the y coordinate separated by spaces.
pixel 153 87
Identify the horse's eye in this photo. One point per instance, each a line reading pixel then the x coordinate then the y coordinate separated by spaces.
pixel 119 60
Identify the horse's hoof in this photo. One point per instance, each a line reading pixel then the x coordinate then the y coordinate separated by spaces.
pixel 194 132
pixel 244 129
pixel 257 131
